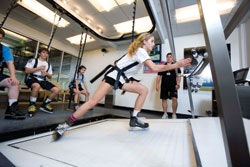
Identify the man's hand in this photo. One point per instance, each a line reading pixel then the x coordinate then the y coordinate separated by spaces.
pixel 13 81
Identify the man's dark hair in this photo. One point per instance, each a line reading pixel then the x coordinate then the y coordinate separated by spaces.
pixel 43 49
pixel 2 32
pixel 169 53
pixel 81 67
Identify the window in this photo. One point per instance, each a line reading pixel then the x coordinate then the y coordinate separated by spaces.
pixel 68 70
pixel 23 49
pixel 63 64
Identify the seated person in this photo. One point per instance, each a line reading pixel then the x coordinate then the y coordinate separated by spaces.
pixel 79 86
pixel 39 69
pixel 9 82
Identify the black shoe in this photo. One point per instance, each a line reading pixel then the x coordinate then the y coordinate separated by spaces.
pixel 31 109
pixel 76 107
pixel 46 108
pixel 12 112
pixel 135 122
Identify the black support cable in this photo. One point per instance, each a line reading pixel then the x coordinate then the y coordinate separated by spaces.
pixel 53 31
pixel 12 6
pixel 79 59
pixel 133 22
pixel 82 45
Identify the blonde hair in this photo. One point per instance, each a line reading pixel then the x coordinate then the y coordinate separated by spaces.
pixel 138 43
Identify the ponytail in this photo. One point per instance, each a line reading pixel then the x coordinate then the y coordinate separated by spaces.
pixel 138 43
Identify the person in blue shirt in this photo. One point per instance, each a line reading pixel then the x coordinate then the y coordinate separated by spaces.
pixel 9 82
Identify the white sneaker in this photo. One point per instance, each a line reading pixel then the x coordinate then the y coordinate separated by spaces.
pixel 59 131
pixel 165 116
pixel 174 116
pixel 61 128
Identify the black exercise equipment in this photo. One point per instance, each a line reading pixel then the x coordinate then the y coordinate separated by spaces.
pixel 198 70
pixel 79 60
pixel 12 6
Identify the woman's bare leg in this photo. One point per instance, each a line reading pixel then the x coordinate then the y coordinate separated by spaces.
pixel 101 91
pixel 141 90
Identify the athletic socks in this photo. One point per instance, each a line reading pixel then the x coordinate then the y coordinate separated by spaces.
pixel 135 112
pixel 33 99
pixel 11 101
pixel 71 120
pixel 47 100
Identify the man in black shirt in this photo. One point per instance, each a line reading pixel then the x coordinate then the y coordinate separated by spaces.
pixel 170 83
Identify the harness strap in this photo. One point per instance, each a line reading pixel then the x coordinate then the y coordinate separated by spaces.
pixel 101 73
pixel 120 72
pixel 38 76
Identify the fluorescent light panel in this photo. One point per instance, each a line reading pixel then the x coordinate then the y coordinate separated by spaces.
pixel 191 13
pixel 15 35
pixel 107 5
pixel 143 24
pixel 6 44
pixel 43 11
pixel 77 38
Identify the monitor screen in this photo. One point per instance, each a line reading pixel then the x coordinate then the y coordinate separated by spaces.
pixel 155 54
pixel 240 75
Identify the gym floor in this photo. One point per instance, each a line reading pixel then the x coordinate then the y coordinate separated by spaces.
pixel 102 138
pixel 44 122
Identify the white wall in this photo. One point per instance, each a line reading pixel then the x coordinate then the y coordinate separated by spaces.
pixel 95 61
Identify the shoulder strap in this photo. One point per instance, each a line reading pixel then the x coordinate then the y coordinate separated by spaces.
pixel 82 77
pixel 48 67
pixel 1 59
pixel 1 52
pixel 119 58
pixel 34 66
pixel 130 66
pixel 77 75
pixel 36 61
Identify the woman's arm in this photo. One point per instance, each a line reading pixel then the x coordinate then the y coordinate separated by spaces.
pixel 160 67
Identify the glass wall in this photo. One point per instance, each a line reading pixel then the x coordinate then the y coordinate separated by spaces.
pixel 63 64
pixel 23 49
pixel 68 70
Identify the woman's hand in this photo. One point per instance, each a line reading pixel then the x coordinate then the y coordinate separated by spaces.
pixel 184 62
